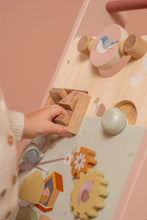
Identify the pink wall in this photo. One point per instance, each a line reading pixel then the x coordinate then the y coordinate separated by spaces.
pixel 96 18
pixel 33 36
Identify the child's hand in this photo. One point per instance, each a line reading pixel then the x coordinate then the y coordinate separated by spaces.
pixel 40 122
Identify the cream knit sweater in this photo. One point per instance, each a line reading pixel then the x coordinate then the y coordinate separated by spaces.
pixel 11 129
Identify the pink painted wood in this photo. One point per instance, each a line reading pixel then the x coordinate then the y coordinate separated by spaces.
pixel 123 5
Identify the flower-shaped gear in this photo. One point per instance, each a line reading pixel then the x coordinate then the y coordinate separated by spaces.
pixel 88 194
pixel 82 161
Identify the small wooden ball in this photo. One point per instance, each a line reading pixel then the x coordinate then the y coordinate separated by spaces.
pixel 114 121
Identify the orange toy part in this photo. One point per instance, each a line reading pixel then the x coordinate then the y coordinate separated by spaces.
pixel 83 160
pixel 52 188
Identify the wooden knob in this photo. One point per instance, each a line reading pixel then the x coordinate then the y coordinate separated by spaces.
pixel 114 121
pixel 85 44
pixel 135 46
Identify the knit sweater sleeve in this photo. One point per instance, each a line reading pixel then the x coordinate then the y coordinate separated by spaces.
pixel 16 120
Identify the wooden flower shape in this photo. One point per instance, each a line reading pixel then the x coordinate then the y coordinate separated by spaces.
pixel 82 161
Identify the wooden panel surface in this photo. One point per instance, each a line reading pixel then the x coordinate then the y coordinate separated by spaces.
pixel 130 83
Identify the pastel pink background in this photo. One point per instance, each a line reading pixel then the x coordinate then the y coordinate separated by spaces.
pixel 34 34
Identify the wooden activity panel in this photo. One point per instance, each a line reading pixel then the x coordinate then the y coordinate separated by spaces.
pixel 128 84
pixel 102 85
pixel 98 188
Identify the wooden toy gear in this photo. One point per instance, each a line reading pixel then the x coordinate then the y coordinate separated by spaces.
pixel 82 161
pixel 88 194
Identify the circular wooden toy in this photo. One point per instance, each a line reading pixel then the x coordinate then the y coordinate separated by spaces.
pixel 130 110
pixel 85 43
pixel 105 53
pixel 114 121
pixel 135 46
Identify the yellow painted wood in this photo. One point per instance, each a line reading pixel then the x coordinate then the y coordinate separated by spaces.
pixel 32 188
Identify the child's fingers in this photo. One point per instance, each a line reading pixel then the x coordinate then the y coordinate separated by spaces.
pixel 57 110
pixel 57 129
pixel 68 135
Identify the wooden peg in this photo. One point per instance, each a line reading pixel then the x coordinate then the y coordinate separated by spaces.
pixel 135 46
pixel 85 44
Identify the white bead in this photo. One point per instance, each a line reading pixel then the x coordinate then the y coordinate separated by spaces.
pixel 114 121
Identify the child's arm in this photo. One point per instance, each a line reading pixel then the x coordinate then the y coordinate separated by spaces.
pixel 40 122
pixel 16 121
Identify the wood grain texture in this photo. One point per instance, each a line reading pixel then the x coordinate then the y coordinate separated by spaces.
pixel 57 94
pixel 62 119
pixel 111 90
pixel 70 100
pixel 85 44
pixel 78 113
pixel 135 46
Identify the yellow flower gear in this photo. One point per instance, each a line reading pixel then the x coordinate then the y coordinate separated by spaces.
pixel 88 194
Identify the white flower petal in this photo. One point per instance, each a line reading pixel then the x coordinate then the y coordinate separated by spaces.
pixel 79 167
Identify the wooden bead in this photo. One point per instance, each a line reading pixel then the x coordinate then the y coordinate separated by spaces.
pixel 135 46
pixel 85 44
